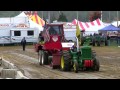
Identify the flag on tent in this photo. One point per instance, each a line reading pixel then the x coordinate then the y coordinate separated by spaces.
pixel 37 19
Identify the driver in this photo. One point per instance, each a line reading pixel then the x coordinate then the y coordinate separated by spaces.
pixel 74 47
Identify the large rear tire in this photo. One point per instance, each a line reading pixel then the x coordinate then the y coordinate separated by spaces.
pixel 96 65
pixel 65 63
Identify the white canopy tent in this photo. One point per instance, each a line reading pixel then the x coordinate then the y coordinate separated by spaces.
pixel 30 22
pixel 93 29
pixel 115 23
pixel 5 20
pixel 19 19
pixel 35 25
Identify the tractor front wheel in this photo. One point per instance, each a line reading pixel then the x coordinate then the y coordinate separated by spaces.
pixel 65 61
pixel 40 57
pixel 44 58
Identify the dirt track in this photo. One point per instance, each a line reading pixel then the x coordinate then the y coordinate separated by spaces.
pixel 27 62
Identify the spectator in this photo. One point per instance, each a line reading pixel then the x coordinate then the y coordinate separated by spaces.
pixel 108 39
pixel 23 43
pixel 40 37
pixel 118 39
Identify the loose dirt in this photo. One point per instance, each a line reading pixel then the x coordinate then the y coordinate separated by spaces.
pixel 27 62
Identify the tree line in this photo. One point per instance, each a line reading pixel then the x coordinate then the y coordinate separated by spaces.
pixel 85 16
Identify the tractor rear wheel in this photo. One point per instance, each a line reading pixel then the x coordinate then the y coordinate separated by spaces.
pixel 65 63
pixel 75 67
pixel 96 65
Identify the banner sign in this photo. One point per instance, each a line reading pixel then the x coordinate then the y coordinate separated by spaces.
pixel 21 26
pixel 5 25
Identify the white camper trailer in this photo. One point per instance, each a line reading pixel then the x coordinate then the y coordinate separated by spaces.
pixel 15 35
pixel 4 35
pixel 30 34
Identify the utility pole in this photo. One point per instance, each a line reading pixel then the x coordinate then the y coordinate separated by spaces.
pixel 59 13
pixel 117 18
pixel 42 14
pixel 48 16
pixel 109 16
pixel 101 15
pixel 77 15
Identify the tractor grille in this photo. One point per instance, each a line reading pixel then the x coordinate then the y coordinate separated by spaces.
pixel 86 53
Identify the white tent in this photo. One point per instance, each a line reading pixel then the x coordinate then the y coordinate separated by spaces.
pixel 21 15
pixel 35 25
pixel 93 29
pixel 88 25
pixel 5 20
pixel 115 23
pixel 106 24
pixel 29 21
pixel 21 18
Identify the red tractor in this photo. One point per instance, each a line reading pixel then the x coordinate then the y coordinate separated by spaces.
pixel 52 50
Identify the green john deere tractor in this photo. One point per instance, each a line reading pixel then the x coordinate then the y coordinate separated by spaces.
pixel 83 58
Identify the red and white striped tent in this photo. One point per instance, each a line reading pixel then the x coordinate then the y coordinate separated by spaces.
pixel 87 26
